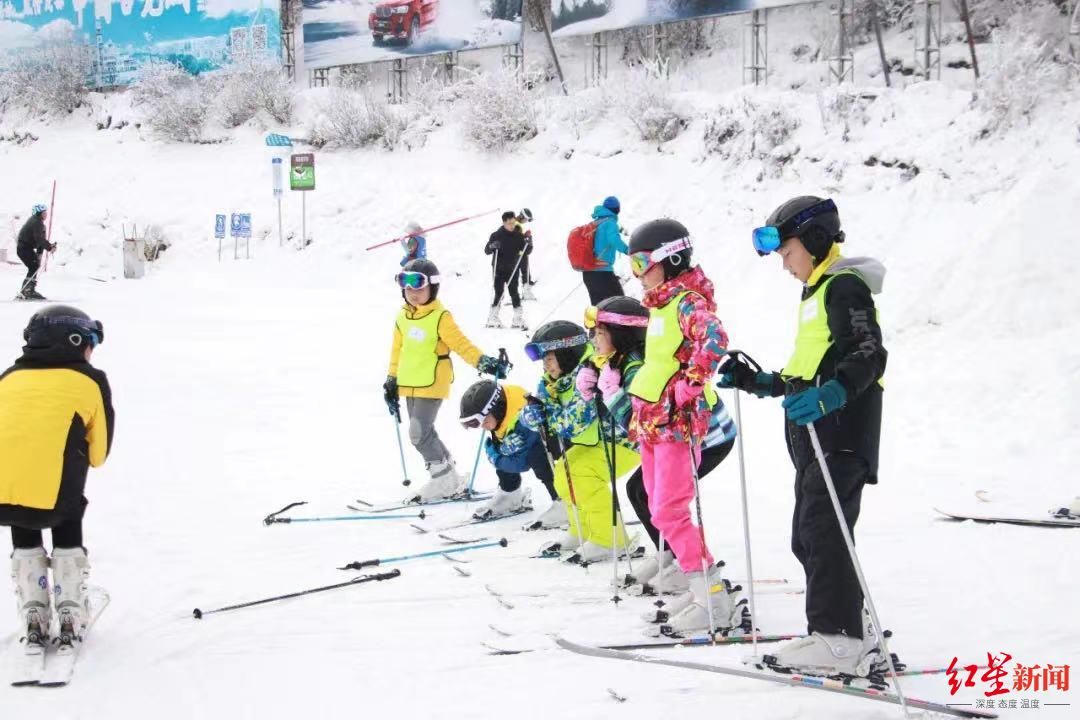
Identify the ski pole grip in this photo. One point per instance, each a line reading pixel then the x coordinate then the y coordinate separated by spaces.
pixel 360 565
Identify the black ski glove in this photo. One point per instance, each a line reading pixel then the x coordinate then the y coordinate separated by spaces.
pixel 390 395
pixel 741 371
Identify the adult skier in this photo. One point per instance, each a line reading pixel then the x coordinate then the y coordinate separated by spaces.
pixel 32 242
pixel 833 381
pixel 508 248
pixel 602 282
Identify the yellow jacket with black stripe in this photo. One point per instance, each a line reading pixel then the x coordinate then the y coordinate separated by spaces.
pixel 56 420
pixel 451 338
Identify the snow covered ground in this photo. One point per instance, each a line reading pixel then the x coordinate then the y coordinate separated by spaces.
pixel 245 385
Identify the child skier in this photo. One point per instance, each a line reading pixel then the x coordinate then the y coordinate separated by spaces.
pixel 512 448
pixel 833 381
pixel 617 327
pixel 527 280
pixel 420 369
pixel 582 478
pixel 56 421
pixel 672 400
pixel 413 244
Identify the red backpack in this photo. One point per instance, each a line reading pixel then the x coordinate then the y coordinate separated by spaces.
pixel 579 247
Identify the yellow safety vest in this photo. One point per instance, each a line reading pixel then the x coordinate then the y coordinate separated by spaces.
pixel 419 354
pixel 591 435
pixel 663 338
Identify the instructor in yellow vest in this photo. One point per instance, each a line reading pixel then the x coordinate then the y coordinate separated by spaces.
pixel 833 380
pixel 420 369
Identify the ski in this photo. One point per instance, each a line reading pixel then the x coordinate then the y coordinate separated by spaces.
pixel 812 682
pixel 1051 519
pixel 60 665
pixel 450 540
pixel 471 521
pixel 29 665
pixel 366 507
pixel 703 641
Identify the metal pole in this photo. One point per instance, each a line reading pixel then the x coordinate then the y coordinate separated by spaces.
pixel 551 49
pixel 745 518
pixel 303 222
pixel 701 531
pixel 280 232
pixel 882 642
pixel 970 38
pixel 881 47
pixel 401 447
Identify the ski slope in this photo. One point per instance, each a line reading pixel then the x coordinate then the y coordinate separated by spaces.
pixel 244 385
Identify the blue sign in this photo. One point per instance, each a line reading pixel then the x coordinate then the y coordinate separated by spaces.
pixel 219 226
pixel 234 225
pixel 245 225
pixel 274 140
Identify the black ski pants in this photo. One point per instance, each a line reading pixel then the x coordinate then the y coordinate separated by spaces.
pixel 538 463
pixel 601 285
pixel 507 282
pixel 32 260
pixel 68 534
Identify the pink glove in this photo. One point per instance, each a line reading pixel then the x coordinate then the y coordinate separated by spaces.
pixel 610 381
pixel 686 393
pixel 586 382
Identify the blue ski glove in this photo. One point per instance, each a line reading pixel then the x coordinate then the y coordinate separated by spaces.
pixel 512 444
pixel 740 371
pixel 532 416
pixel 491 451
pixel 815 403
pixel 488 365
pixel 390 396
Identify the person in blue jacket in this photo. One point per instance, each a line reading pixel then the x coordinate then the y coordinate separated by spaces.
pixel 414 244
pixel 602 283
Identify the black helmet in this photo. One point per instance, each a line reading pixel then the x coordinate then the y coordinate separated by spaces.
pixel 525 215
pixel 565 338
pixel 483 398
pixel 655 234
pixel 815 221
pixel 428 268
pixel 624 337
pixel 63 328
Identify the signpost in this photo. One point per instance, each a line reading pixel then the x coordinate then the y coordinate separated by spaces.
pixel 219 233
pixel 302 179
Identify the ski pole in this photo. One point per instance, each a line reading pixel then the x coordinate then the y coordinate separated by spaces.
pixel 273 517
pixel 401 448
pixel 701 530
pixel 882 642
pixel 570 486
pixel 48 230
pixel 360 565
pixel 424 231
pixel 745 517
pixel 616 511
pixel 559 304
pixel 500 374
pixel 355 581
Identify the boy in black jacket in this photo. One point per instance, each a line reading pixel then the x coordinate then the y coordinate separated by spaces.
pixel 508 248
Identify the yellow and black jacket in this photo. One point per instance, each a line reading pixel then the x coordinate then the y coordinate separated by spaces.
pixel 56 420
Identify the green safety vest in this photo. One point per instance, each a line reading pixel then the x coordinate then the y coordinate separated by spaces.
pixel 662 340
pixel 813 339
pixel 419 355
pixel 591 435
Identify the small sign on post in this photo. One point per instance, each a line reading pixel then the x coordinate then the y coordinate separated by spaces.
pixel 302 177
pixel 219 233
pixel 245 232
pixel 278 177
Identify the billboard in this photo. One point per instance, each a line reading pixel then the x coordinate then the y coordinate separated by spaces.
pixel 583 17
pixel 345 32
pixel 197 35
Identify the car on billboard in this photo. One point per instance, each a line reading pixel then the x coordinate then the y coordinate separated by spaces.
pixel 401 20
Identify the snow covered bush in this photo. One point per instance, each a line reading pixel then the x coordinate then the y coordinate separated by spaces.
pixel 250 88
pixel 173 103
pixel 499 111
pixel 1023 72
pixel 585 108
pixel 354 118
pixel 49 78
pixel 647 100
pixel 752 129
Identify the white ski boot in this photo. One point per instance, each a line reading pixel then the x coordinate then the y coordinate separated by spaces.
pixel 444 484
pixel 706 591
pixel 826 655
pixel 518 321
pixel 30 576
pixel 672 607
pixel 70 572
pixel 504 503
pixel 673 581
pixel 554 517
pixel 527 293
pixel 494 321
pixel 567 541
pixel 647 569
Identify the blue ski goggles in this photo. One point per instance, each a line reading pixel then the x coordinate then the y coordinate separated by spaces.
pixel 415 280
pixel 90 332
pixel 537 350
pixel 768 239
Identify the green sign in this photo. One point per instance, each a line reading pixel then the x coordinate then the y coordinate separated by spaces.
pixel 302 175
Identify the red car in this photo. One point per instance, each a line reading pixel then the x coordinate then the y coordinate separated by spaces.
pixel 401 20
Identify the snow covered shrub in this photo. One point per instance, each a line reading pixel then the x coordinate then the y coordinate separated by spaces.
pixel 499 111
pixel 49 78
pixel 585 108
pixel 722 129
pixel 248 88
pixel 353 118
pixel 752 129
pixel 647 100
pixel 1022 74
pixel 844 106
pixel 174 104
